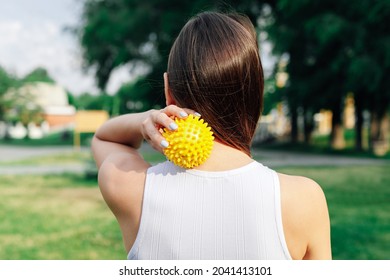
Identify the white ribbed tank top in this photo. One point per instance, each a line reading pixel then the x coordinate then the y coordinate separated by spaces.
pixel 193 214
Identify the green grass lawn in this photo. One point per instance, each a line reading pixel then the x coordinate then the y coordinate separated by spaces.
pixel 56 217
pixel 65 217
pixel 359 205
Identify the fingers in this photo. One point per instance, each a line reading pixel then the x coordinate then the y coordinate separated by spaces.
pixel 162 119
pixel 166 116
pixel 174 111
pixel 152 135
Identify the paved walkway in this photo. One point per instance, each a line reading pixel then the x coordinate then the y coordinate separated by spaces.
pixel 14 153
pixel 42 169
pixel 267 157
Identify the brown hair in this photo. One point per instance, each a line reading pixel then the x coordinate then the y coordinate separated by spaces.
pixel 214 68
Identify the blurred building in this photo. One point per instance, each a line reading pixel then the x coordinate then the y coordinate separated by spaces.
pixel 38 108
pixel 54 102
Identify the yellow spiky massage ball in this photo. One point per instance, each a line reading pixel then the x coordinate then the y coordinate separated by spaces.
pixel 191 144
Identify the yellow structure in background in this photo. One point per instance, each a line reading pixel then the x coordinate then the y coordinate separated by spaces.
pixel 87 121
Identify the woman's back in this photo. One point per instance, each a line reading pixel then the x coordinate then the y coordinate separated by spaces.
pixel 194 214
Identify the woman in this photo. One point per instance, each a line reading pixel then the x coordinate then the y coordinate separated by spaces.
pixel 230 207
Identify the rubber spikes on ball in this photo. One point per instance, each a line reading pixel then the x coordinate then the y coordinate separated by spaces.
pixel 190 144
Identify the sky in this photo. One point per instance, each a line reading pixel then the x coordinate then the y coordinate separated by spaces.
pixel 32 34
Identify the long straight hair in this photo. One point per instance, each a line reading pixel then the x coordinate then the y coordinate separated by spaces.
pixel 214 68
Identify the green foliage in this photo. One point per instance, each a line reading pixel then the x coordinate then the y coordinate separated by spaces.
pixel 21 107
pixel 71 98
pixel 334 47
pixel 272 96
pixel 38 75
pixel 313 47
pixel 131 97
pixel 140 33
pixel 6 82
pixel 87 101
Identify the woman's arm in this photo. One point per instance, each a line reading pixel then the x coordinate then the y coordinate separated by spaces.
pixel 319 243
pixel 305 218
pixel 124 134
pixel 122 170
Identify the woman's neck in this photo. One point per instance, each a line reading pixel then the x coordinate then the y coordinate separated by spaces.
pixel 223 158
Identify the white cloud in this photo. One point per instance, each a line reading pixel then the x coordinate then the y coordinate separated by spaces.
pixel 9 30
pixel 43 44
pixel 32 35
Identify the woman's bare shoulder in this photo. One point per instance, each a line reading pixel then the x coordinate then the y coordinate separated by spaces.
pixel 305 216
pixel 302 195
pixel 300 187
pixel 121 182
pixel 121 179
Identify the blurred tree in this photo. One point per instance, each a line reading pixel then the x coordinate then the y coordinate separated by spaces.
pixel 272 95
pixel 38 75
pixel 6 82
pixel 140 33
pixel 369 64
pixel 131 97
pixel 20 106
pixel 314 47
pixel 333 46
pixel 71 98
pixel 87 101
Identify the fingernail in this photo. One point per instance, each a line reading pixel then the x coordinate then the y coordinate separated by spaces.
pixel 183 114
pixel 173 126
pixel 197 114
pixel 164 143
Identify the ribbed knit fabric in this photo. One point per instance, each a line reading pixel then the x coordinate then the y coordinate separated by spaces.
pixel 193 214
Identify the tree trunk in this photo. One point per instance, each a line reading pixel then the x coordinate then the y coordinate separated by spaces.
pixel 381 143
pixel 384 128
pixel 359 121
pixel 337 140
pixel 294 124
pixel 374 130
pixel 308 126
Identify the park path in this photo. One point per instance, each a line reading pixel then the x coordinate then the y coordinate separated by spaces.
pixel 271 158
pixel 9 153
pixel 12 153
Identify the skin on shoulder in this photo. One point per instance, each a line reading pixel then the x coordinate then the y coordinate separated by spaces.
pixel 121 178
pixel 305 218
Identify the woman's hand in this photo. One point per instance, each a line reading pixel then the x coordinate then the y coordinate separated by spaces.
pixel 157 120
pixel 125 133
